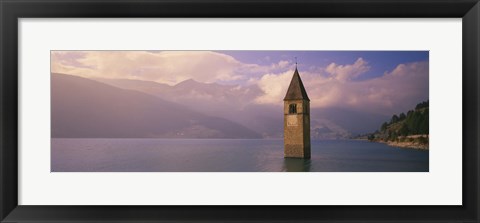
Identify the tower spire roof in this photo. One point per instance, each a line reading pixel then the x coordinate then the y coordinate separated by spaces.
pixel 296 90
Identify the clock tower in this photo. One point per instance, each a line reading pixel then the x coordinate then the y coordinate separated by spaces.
pixel 296 124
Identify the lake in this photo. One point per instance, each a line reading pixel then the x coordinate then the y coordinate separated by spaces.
pixel 229 155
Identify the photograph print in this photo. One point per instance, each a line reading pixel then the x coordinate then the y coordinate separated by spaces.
pixel 239 111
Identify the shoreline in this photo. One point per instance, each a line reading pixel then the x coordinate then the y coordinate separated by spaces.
pixel 406 145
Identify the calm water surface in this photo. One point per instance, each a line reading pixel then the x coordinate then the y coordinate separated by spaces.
pixel 228 155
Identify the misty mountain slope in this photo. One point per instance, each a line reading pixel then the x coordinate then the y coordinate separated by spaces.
pixel 190 91
pixel 150 87
pixel 354 122
pixel 231 102
pixel 83 108
pixel 236 103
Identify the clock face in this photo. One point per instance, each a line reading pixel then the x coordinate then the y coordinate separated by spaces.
pixel 292 120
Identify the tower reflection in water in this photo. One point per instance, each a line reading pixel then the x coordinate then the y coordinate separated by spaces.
pixel 296 165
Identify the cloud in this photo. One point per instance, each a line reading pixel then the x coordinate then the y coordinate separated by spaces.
pixel 274 87
pixel 283 64
pixel 169 67
pixel 348 72
pixel 392 92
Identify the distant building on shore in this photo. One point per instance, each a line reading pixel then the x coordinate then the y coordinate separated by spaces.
pixel 296 120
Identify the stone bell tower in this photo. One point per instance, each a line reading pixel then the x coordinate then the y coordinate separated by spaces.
pixel 296 120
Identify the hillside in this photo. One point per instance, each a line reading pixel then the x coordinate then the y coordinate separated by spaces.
pixel 84 108
pixel 231 102
pixel 410 130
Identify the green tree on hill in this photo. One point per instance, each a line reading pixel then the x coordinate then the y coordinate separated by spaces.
pixel 384 127
pixel 394 119
pixel 415 122
pixel 422 105
pixel 404 131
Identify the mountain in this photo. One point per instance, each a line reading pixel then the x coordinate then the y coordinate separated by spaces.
pixel 149 87
pixel 347 122
pixel 235 103
pixel 84 108
pixel 191 92
pixel 326 129
pixel 232 102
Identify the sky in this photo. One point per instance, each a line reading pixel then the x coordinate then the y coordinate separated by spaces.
pixel 370 81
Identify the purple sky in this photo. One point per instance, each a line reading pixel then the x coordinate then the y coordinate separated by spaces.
pixel 371 81
pixel 379 61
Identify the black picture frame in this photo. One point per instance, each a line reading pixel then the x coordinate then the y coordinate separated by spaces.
pixel 12 10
